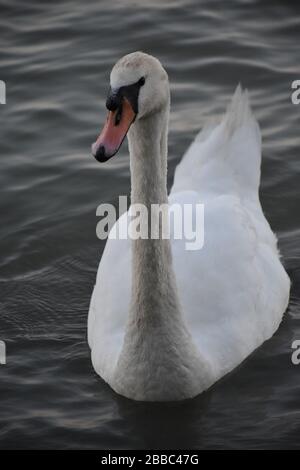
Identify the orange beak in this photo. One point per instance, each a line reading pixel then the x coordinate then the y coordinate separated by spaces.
pixel 114 131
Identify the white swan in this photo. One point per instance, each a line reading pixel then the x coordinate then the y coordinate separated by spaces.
pixel 166 323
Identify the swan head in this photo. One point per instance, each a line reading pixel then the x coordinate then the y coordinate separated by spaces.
pixel 139 87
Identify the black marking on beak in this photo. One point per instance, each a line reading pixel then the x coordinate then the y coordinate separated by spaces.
pixel 131 92
pixel 114 100
pixel 118 115
pixel 100 155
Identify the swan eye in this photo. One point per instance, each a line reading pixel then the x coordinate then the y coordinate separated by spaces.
pixel 141 81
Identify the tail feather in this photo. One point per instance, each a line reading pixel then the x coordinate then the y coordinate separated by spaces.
pixel 224 157
pixel 238 112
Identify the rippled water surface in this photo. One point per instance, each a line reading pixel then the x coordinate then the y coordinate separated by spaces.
pixel 55 59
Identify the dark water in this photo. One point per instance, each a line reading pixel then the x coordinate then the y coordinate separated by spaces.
pixel 55 59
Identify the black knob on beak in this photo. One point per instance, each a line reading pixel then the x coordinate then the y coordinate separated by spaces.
pixel 114 100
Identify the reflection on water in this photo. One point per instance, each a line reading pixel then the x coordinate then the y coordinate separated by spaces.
pixel 55 60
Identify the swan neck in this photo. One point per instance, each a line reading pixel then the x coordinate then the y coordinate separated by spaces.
pixel 154 291
pixel 148 160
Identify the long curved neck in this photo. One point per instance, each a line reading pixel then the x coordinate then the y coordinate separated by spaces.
pixel 158 360
pixel 154 292
pixel 148 159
